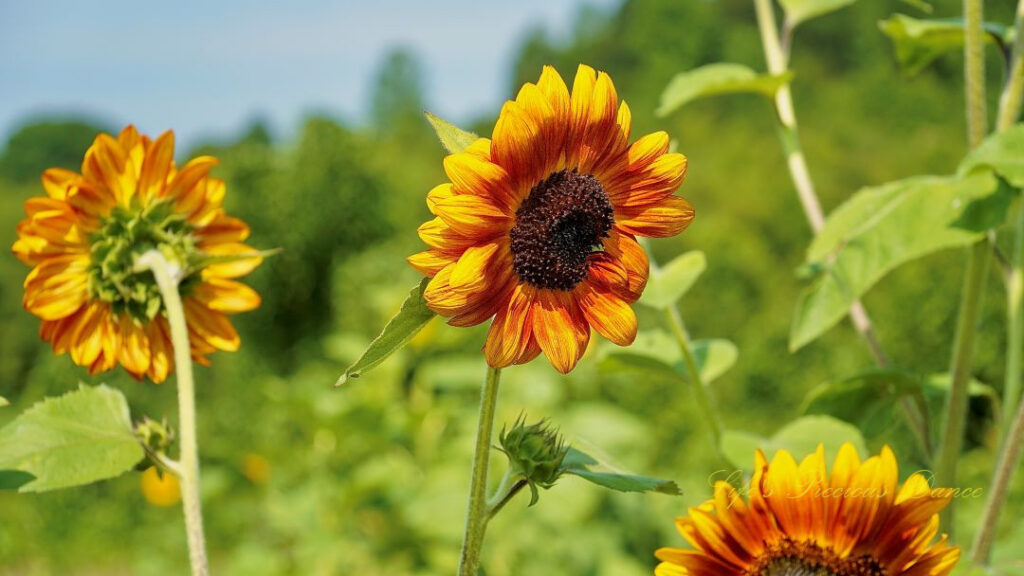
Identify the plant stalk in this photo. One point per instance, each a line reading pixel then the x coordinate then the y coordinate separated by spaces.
pixel 700 393
pixel 477 514
pixel 167 278
pixel 777 57
pixel 1009 458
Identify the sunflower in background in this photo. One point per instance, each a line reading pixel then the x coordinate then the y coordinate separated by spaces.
pixel 801 521
pixel 82 240
pixel 537 228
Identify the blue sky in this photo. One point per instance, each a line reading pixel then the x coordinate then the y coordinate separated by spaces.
pixel 207 68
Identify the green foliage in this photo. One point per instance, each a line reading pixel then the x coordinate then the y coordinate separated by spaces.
pixel 78 438
pixel 398 94
pixel 453 138
pixel 580 464
pixel 919 42
pixel 37 146
pixel 1003 153
pixel 655 355
pixel 875 231
pixel 669 283
pixel 798 11
pixel 411 318
pixel 800 437
pixel 717 79
pixel 4 402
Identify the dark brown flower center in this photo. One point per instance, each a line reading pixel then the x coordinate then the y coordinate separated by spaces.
pixel 561 222
pixel 791 558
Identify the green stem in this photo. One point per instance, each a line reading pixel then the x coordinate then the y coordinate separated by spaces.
pixel 1013 409
pixel 776 54
pixel 476 516
pixel 963 354
pixel 504 496
pixel 977 265
pixel 188 466
pixel 700 393
pixel 1008 461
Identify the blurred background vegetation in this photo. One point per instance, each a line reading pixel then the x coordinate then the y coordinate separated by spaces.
pixel 301 478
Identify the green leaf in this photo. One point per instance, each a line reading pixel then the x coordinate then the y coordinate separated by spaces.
pixel 579 464
pixel 865 400
pixel 14 479
pixel 453 138
pixel 919 42
pixel 656 355
pixel 798 11
pixel 666 286
pixel 875 231
pixel 800 438
pixel 1002 152
pixel 716 79
pixel 411 318
pixel 78 438
pixel 4 402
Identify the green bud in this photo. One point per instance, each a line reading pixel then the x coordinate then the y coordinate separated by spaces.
pixel 156 437
pixel 535 452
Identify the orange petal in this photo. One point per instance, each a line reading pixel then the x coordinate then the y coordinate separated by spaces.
pixel 607 313
pixel 212 326
pixel 560 328
pixel 473 216
pixel 471 174
pixel 226 296
pixel 430 262
pixel 509 336
pixel 156 166
pixel 624 248
pixel 58 181
pixel 662 219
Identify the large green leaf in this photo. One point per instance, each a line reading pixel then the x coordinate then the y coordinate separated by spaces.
pixel 798 11
pixel 1002 152
pixel 585 466
pixel 453 138
pixel 668 284
pixel 800 438
pixel 716 79
pixel 875 231
pixel 865 400
pixel 411 318
pixel 919 42
pixel 78 438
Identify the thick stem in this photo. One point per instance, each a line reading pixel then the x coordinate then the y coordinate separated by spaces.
pixel 1013 91
pixel 476 516
pixel 776 54
pixel 700 393
pixel 167 278
pixel 963 354
pixel 974 71
pixel 1008 461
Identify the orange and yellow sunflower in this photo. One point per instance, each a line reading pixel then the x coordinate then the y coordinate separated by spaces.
pixel 537 228
pixel 82 240
pixel 802 521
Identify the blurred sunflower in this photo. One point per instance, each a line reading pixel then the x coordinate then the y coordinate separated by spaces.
pixel 538 225
pixel 801 521
pixel 82 240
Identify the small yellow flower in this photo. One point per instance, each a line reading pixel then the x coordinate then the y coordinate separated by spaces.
pixel 537 228
pixel 82 239
pixel 800 520
pixel 160 490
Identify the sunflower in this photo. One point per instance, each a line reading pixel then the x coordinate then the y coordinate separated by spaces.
pixel 537 227
pixel 82 240
pixel 801 521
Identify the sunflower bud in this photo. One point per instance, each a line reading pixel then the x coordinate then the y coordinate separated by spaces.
pixel 156 437
pixel 534 452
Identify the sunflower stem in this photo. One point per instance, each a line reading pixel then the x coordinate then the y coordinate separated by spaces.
pixel 777 57
pixel 188 465
pixel 1009 458
pixel 477 514
pixel 977 265
pixel 700 393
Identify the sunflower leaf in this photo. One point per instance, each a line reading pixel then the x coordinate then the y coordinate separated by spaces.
pixel 453 138
pixel 4 402
pixel 716 79
pixel 800 438
pixel 78 438
pixel 411 318
pixel 666 286
pixel 918 43
pixel 655 355
pixel 579 464
pixel 874 232
pixel 1002 152
pixel 798 11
